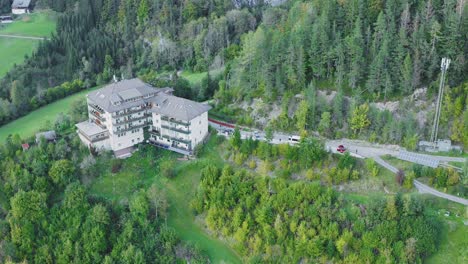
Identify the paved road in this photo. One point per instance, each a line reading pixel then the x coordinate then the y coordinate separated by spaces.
pixel 360 149
pixel 21 37
pixel 422 188
pixel 375 152
pixel 278 138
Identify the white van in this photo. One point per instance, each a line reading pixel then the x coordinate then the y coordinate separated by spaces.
pixel 294 139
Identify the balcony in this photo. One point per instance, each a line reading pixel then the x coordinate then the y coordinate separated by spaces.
pixel 129 112
pixel 98 115
pixel 129 120
pixel 172 120
pixel 94 139
pixel 144 124
pixel 185 141
pixel 154 132
pixel 97 108
pixel 183 131
pixel 98 122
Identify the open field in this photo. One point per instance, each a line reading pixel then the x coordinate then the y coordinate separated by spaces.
pixel 13 50
pixel 195 79
pixel 453 245
pixel 39 24
pixel 28 125
pixel 142 170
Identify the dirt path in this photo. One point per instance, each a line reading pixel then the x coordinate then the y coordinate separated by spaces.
pixel 21 37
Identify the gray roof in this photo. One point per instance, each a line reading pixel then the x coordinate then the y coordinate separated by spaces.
pixel 124 94
pixel 49 135
pixel 179 108
pixel 20 3
pixel 90 128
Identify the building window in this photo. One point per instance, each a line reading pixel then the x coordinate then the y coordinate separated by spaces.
pixel 133 140
pixel 199 122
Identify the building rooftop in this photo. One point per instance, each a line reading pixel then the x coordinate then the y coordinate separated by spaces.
pixel 124 94
pixel 90 128
pixel 20 3
pixel 179 108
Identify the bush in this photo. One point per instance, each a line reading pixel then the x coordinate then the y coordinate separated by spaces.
pixel 116 165
pixel 372 167
pixel 252 164
pixel 167 168
pixel 408 181
pixel 285 174
pixel 400 177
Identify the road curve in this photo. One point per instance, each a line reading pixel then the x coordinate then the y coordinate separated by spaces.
pixel 361 150
pixel 422 188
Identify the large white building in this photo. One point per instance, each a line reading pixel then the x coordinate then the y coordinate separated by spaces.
pixel 129 112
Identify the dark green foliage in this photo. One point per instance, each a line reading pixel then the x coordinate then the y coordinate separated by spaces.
pixel 50 220
pixel 276 221
pixel 116 165
pixel 167 168
pixel 95 40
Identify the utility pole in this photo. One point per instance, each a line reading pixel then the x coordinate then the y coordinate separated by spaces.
pixel 443 67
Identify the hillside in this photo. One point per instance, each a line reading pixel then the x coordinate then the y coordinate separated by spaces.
pixel 368 50
pixel 291 76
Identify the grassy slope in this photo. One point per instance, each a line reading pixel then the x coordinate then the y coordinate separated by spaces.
pixel 142 170
pixel 13 50
pixel 39 24
pixel 195 79
pixel 28 125
pixel 453 244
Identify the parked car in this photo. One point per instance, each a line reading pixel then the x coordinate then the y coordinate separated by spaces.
pixel 257 136
pixel 341 149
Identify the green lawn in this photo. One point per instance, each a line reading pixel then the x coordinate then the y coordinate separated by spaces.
pixel 142 170
pixel 28 125
pixel 39 24
pixel 453 244
pixel 195 79
pixel 13 50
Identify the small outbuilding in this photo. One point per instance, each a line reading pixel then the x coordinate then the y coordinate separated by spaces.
pixel 50 136
pixel 25 146
pixel 6 19
pixel 20 7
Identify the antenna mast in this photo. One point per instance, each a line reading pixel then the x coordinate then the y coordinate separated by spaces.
pixel 443 67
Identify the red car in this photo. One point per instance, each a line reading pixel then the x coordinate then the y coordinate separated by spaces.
pixel 341 149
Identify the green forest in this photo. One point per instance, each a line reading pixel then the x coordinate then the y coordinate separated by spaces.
pixel 48 215
pixel 367 50
pixel 275 221
pixel 324 66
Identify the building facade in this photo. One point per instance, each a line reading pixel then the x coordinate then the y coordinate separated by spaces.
pixel 121 113
pixel 19 7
